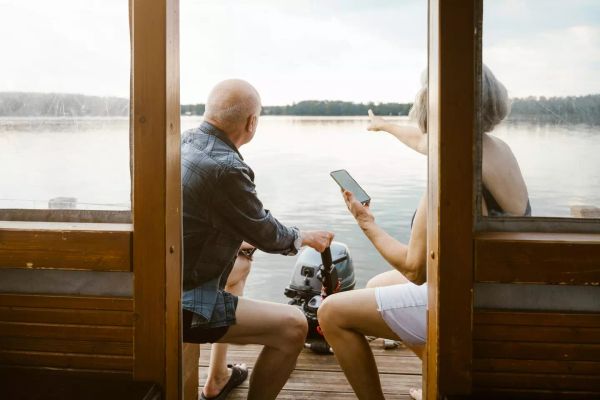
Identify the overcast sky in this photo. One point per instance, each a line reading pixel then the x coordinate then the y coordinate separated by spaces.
pixel 296 50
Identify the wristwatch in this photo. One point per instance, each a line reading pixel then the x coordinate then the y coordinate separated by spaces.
pixel 298 240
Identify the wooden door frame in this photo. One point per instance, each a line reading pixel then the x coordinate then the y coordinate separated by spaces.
pixel 156 203
pixel 451 48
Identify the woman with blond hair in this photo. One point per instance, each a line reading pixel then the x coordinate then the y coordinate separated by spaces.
pixel 394 304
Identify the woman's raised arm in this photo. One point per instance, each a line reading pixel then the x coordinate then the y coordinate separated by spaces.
pixel 409 135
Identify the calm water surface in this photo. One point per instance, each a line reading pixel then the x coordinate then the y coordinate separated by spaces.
pixel 291 156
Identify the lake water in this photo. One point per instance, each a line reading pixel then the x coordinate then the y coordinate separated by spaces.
pixel 292 156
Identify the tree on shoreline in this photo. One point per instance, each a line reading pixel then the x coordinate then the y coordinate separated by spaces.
pixel 567 110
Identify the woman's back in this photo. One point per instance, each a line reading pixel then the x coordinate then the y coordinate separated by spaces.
pixel 502 178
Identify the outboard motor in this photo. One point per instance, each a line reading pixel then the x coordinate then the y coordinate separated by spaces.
pixel 315 276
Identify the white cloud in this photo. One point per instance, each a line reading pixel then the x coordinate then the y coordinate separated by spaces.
pixel 549 63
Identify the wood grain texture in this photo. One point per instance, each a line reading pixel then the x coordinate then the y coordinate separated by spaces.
pixel 451 116
pixel 191 357
pixel 320 376
pixel 66 302
pixel 536 318
pixel 536 351
pixel 67 333
pixel 66 360
pixel 555 258
pixel 503 394
pixel 70 345
pixel 98 247
pixel 156 194
pixel 62 331
pixel 66 316
pixel 524 352
pixel 524 381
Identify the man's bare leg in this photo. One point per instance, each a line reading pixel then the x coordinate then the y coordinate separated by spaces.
pixel 218 373
pixel 282 329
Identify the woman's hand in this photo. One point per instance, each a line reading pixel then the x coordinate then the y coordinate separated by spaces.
pixel 361 213
pixel 376 123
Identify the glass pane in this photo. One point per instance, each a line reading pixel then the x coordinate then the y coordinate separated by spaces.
pixel 318 66
pixel 546 54
pixel 64 104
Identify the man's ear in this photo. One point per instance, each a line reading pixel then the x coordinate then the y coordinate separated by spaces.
pixel 251 123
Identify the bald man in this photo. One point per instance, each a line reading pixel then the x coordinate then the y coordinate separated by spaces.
pixel 222 216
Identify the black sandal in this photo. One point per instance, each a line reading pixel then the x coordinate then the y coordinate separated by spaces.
pixel 238 376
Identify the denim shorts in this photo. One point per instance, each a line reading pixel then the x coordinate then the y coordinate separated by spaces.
pixel 404 309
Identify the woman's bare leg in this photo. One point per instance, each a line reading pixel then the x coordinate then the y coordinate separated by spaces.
pixel 218 373
pixel 387 278
pixel 282 329
pixel 345 319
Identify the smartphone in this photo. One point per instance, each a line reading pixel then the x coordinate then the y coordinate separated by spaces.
pixel 346 182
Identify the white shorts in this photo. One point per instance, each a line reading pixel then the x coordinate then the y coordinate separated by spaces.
pixel 404 308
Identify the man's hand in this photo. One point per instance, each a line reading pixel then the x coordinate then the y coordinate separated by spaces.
pixel 318 240
pixel 246 246
pixel 376 123
pixel 361 213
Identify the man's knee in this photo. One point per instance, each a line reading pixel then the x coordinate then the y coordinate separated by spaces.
pixel 295 327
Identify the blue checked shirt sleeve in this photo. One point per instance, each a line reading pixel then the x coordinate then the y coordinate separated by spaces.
pixel 240 213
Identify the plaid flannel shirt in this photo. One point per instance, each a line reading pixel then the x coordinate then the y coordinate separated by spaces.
pixel 220 210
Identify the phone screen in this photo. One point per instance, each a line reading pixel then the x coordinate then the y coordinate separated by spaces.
pixel 346 182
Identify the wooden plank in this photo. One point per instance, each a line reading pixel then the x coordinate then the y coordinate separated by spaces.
pixel 60 331
pixel 98 247
pixel 376 347
pixel 537 366
pixel 309 361
pixel 66 360
pixel 536 351
pixel 242 394
pixel 65 316
pixel 503 394
pixel 67 345
pixel 157 194
pixel 72 373
pixel 533 318
pixel 191 356
pixel 336 382
pixel 556 258
pixel 537 381
pixel 550 334
pixel 451 116
pixel 66 302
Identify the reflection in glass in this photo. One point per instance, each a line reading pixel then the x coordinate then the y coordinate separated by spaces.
pixel 64 104
pixel 547 55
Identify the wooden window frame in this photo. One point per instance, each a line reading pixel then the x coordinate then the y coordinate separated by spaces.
pixel 464 248
pixel 147 239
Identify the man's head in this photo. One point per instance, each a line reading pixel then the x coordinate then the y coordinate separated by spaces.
pixel 234 107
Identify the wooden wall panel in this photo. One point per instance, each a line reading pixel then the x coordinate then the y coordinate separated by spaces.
pixel 545 258
pixel 92 335
pixel 536 354
pixel 98 247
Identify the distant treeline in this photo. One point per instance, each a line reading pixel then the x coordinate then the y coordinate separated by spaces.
pixel 572 110
pixel 319 108
pixel 17 104
pixel 580 109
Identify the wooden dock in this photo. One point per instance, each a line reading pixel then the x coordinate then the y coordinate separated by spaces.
pixel 320 377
